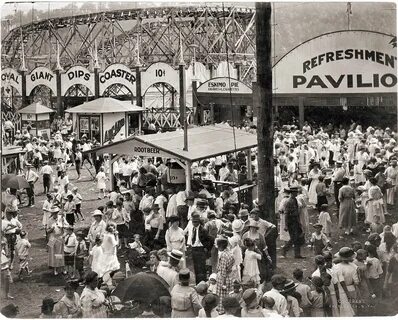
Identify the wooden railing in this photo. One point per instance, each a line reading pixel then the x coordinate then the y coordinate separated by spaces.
pixel 170 119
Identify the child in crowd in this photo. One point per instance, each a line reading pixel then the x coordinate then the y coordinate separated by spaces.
pixel 22 248
pixel 238 290
pixel 363 286
pixel 325 220
pixel 69 210
pixel 375 271
pixel 70 244
pixel 319 299
pixel 250 262
pixel 319 240
pixel 108 211
pixel 95 256
pixel 81 254
pixel 304 290
pixel 376 226
pixel 321 192
pixel 212 284
pixel 77 200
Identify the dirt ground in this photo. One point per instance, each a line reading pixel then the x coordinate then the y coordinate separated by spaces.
pixel 28 293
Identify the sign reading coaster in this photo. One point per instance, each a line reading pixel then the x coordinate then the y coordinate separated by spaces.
pixel 159 72
pixel 77 75
pixel 117 73
pixel 41 76
pixel 11 77
pixel 339 62
pixel 224 85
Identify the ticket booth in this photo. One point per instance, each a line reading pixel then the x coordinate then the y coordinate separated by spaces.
pixel 37 117
pixel 106 120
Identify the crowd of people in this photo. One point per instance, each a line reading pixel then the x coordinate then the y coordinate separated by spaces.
pixel 216 253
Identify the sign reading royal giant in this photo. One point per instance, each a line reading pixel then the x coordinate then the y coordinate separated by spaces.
pixel 11 78
pixel 224 85
pixel 77 75
pixel 339 62
pixel 117 73
pixel 41 76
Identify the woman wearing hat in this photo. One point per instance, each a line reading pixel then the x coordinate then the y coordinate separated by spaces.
pixel 184 299
pixel 92 299
pixel 155 223
pixel 348 280
pixel 209 303
pixel 69 305
pixel 224 270
pixel 292 297
pixel 97 227
pixel 47 308
pixel 236 242
pixel 347 214
pixel 55 231
pixel 314 176
pixel 175 236
pixel 375 204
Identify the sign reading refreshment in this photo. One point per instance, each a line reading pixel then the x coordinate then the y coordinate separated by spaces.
pixel 117 73
pixel 339 62
pixel 77 75
pixel 41 76
pixel 224 85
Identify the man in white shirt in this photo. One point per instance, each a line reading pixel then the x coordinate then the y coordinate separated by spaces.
pixel 9 226
pixel 223 172
pixel 46 171
pixel 31 177
pixel 278 282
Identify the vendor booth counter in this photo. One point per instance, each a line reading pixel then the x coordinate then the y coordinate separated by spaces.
pixel 106 119
pixel 37 117
pixel 203 143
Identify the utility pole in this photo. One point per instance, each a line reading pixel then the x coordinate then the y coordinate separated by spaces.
pixel 263 100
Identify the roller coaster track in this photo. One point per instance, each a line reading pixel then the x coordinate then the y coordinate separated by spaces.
pixel 121 36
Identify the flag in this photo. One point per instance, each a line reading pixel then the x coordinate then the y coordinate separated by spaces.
pixel 349 8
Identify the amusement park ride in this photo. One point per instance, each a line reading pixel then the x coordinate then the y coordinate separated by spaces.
pixel 124 36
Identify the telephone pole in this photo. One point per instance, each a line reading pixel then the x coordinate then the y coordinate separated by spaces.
pixel 263 101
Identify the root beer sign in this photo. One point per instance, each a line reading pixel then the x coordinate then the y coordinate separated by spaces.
pixel 339 62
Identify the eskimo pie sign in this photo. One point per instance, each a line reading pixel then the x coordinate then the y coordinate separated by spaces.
pixel 117 73
pixel 224 85
pixel 340 62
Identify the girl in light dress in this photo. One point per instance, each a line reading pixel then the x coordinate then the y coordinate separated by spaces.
pixel 314 175
pixel 375 204
pixel 250 263
pixel 108 260
pixel 101 182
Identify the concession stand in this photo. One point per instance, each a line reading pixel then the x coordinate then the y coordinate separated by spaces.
pixel 203 143
pixel 106 119
pixel 37 117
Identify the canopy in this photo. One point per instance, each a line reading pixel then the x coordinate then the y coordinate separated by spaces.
pixel 36 108
pixel 203 142
pixel 105 105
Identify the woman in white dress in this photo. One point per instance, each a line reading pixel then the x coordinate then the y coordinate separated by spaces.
pixel 101 182
pixel 109 246
pixel 375 203
pixel 314 175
